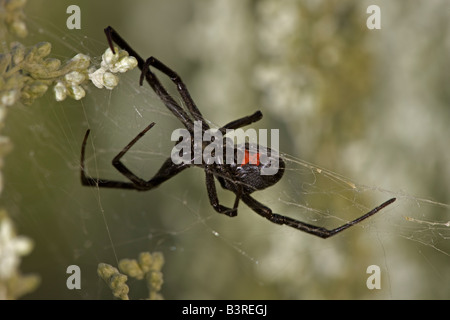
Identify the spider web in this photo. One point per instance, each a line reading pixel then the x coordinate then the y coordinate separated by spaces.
pixel 209 255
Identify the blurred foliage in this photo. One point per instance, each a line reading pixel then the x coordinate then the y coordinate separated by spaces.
pixel 367 104
pixel 147 268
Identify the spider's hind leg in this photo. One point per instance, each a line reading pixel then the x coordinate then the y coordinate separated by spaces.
pixel 321 232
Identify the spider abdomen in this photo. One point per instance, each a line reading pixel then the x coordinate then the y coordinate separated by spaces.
pixel 254 168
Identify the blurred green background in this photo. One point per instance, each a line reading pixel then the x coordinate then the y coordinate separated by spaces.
pixel 370 105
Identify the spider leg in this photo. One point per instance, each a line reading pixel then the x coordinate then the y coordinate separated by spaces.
pixel 314 230
pixel 167 170
pixel 93 182
pixel 181 87
pixel 214 200
pixel 242 122
pixel 152 80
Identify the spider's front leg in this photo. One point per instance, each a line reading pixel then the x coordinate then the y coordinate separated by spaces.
pixel 242 122
pixel 152 80
pixel 181 87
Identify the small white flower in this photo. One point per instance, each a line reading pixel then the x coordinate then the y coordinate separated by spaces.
pixel 109 58
pixel 74 78
pixel 124 64
pixel 76 92
pixel 103 79
pixel 110 80
pixel 80 61
pixel 60 91
pixel 118 62
pixel 97 77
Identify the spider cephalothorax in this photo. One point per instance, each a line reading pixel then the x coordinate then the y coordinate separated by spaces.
pixel 242 176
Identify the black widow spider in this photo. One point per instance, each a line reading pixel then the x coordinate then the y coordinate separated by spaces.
pixel 241 179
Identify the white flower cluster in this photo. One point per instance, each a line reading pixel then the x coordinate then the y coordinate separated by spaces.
pixel 70 83
pixel 103 77
pixel 27 74
pixel 12 247
pixel 14 284
pixel 112 63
